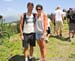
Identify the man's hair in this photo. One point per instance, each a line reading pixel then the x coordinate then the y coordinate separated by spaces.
pixel 39 6
pixel 58 7
pixel 30 3
pixel 70 8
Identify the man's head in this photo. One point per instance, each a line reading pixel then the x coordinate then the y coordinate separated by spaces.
pixel 70 8
pixel 58 7
pixel 30 6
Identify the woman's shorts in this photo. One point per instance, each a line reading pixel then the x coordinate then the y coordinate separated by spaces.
pixel 38 36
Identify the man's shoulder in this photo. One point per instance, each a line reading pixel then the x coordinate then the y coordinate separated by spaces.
pixel 33 13
pixel 58 11
pixel 22 15
pixel 26 14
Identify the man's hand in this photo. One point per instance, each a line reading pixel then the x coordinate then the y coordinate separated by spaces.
pixel 22 37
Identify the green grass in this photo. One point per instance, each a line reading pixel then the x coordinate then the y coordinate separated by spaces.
pixel 57 49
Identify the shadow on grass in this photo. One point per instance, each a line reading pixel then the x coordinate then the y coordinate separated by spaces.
pixel 60 38
pixel 19 58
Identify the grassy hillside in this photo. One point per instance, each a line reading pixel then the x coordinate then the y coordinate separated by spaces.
pixel 58 49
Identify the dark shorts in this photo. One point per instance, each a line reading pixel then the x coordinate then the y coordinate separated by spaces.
pixel 29 39
pixel 49 30
pixel 71 27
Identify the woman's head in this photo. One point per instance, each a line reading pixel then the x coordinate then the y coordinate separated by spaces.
pixel 39 8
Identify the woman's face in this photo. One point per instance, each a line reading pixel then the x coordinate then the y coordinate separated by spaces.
pixel 39 10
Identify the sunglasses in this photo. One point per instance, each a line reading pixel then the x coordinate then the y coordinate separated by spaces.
pixel 38 9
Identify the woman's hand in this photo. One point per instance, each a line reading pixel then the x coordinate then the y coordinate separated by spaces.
pixel 43 36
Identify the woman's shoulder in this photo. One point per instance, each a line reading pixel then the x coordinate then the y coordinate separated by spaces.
pixel 44 14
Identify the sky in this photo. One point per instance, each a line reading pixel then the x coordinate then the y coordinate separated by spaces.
pixel 16 7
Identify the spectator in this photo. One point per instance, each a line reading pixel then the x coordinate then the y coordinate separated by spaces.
pixel 71 23
pixel 48 30
pixel 59 21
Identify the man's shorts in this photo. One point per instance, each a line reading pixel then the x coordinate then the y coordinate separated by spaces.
pixel 59 25
pixel 71 26
pixel 29 39
pixel 49 30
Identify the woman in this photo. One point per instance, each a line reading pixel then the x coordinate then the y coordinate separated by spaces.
pixel 41 27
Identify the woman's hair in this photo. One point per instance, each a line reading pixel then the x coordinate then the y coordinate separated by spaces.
pixel 39 6
pixel 30 3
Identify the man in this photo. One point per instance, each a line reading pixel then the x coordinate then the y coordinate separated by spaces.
pixel 59 20
pixel 71 23
pixel 27 23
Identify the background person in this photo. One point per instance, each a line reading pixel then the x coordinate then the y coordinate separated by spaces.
pixel 48 30
pixel 71 23
pixel 59 21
